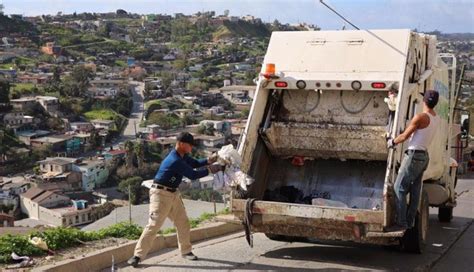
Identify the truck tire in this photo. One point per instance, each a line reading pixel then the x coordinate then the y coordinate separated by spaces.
pixel 414 240
pixel 445 214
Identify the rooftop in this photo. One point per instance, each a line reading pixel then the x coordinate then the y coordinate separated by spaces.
pixel 58 160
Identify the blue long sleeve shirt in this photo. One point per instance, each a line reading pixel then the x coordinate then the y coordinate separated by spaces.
pixel 174 167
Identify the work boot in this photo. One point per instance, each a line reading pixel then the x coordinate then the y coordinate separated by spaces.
pixel 190 256
pixel 134 261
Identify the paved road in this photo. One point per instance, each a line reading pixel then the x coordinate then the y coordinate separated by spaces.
pixel 137 111
pixel 194 209
pixel 231 252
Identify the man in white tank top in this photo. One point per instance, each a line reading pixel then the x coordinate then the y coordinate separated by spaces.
pixel 420 131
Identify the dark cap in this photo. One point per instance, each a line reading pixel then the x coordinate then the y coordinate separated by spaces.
pixel 431 98
pixel 185 137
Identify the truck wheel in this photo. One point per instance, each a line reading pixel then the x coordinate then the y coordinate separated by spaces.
pixel 414 240
pixel 445 214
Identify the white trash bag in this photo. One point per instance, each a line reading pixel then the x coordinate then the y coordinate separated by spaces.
pixel 233 176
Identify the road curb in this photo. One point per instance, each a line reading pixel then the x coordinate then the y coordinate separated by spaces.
pixel 102 259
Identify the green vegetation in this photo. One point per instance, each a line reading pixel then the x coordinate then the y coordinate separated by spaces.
pixel 120 63
pixel 208 195
pixel 241 29
pixel 65 237
pixel 60 238
pixel 134 183
pixel 156 102
pixel 101 114
pixel 9 25
pixel 165 121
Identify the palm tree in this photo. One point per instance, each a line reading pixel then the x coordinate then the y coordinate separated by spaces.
pixel 139 149
pixel 129 148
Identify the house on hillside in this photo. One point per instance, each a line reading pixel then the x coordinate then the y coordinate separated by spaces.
pixel 23 104
pixel 59 210
pixel 94 173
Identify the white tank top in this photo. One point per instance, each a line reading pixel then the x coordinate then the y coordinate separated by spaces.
pixel 421 138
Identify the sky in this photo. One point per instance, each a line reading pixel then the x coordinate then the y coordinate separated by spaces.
pixel 448 16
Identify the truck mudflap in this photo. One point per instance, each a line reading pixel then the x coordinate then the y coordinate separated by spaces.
pixel 325 223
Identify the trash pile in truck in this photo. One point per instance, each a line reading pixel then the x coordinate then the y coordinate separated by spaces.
pixel 291 194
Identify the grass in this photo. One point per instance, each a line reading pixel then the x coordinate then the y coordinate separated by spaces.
pixel 102 114
pixel 153 102
pixel 6 66
pixel 22 86
pixel 120 63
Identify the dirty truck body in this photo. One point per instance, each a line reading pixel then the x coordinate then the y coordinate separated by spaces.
pixel 325 104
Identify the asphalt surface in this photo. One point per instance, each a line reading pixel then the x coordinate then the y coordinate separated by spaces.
pixel 449 248
pixel 140 214
pixel 137 111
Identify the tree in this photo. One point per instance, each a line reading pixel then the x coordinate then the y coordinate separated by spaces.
pixel 139 149
pixel 207 129
pixel 129 156
pixel 121 12
pixel 76 84
pixel 1 8
pixel 226 13
pixel 134 184
pixel 4 92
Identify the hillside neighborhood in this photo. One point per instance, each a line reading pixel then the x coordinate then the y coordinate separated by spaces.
pixel 91 103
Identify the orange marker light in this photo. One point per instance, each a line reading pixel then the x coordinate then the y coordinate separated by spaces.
pixel 270 68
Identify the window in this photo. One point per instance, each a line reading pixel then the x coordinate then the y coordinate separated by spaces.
pixel 83 217
pixel 77 219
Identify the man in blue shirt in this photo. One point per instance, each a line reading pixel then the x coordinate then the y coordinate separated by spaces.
pixel 165 199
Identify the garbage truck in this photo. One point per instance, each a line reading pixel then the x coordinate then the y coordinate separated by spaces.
pixel 315 139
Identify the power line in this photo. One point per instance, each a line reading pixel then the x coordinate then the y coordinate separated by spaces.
pixel 337 13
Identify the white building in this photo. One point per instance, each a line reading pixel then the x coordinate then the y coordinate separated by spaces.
pixel 17 119
pixel 94 173
pixel 49 103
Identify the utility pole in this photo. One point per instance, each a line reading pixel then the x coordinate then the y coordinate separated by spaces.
pixel 129 204
pixel 135 128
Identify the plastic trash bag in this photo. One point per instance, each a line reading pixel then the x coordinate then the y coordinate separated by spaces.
pixel 328 203
pixel 147 183
pixel 229 156
pixel 21 261
pixel 39 242
pixel 219 181
pixel 233 176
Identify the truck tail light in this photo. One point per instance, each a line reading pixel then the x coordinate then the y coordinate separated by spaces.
pixel 378 85
pixel 281 84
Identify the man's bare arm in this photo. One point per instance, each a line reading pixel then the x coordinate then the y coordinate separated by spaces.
pixel 412 127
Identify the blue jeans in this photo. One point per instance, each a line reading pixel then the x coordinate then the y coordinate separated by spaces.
pixel 409 176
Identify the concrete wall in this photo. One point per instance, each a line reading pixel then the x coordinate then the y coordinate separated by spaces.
pixel 29 207
pixel 54 200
